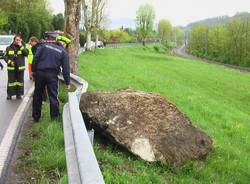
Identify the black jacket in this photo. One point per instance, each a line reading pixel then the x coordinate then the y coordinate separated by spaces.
pixel 16 54
pixel 51 58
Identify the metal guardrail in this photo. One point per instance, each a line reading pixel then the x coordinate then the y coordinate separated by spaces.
pixel 121 45
pixel 124 45
pixel 118 45
pixel 82 165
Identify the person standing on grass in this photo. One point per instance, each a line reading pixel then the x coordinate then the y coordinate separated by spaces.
pixel 33 44
pixel 47 64
pixel 15 58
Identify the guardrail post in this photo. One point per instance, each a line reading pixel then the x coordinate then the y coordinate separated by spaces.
pixel 90 172
pixel 82 165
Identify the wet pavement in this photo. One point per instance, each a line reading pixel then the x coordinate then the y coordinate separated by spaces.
pixel 8 107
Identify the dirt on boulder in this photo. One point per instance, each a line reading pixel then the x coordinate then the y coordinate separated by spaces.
pixel 146 124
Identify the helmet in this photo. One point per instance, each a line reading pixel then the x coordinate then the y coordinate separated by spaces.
pixel 63 39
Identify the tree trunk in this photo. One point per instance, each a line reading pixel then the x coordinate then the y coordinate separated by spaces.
pixel 72 19
pixel 144 42
pixel 88 41
pixel 96 40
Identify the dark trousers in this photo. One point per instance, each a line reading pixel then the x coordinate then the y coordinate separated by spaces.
pixel 43 80
pixel 15 84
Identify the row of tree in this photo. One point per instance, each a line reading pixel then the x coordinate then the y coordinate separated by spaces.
pixel 94 20
pixel 228 42
pixel 93 16
pixel 28 17
pixel 166 33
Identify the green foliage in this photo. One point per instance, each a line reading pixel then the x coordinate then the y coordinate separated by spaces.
pixel 198 40
pixel 113 36
pixel 170 45
pixel 104 34
pixel 3 18
pixel 31 18
pixel 227 43
pixel 178 35
pixel 216 98
pixel 164 30
pixel 118 36
pixel 160 48
pixel 218 20
pixel 131 32
pixel 145 16
pixel 82 38
pixel 58 22
pixel 168 35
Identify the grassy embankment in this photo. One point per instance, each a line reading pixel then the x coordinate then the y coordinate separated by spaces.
pixel 217 99
pixel 41 150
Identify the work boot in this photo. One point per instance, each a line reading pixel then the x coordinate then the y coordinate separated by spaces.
pixel 55 119
pixel 36 120
pixel 19 97
pixel 8 97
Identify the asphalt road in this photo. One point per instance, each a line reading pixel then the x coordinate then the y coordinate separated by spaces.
pixel 8 107
pixel 181 52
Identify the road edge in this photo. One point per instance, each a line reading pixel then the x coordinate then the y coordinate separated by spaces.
pixel 10 138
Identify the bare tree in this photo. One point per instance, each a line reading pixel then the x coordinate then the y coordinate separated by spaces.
pixel 93 16
pixel 88 18
pixel 99 18
pixel 72 19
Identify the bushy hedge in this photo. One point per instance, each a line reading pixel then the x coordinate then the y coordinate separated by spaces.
pixel 227 43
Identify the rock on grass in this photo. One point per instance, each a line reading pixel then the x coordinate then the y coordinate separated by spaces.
pixel 147 125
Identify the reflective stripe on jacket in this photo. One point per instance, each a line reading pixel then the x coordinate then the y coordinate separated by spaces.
pixel 15 57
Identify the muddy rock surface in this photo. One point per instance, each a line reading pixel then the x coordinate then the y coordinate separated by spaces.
pixel 146 124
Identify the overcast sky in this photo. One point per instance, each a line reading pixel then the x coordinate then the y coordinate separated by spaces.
pixel 179 12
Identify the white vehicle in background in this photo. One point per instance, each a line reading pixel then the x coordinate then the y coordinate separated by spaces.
pixel 100 44
pixel 92 45
pixel 5 41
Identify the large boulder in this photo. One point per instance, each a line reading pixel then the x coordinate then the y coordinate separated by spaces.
pixel 146 124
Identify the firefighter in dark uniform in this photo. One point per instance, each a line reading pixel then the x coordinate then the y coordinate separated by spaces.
pixel 47 64
pixel 15 59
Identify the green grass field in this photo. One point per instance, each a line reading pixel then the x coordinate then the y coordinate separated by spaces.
pixel 217 99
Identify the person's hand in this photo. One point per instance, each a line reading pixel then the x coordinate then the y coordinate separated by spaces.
pixel 32 76
pixel 12 63
pixel 68 87
pixel 20 43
